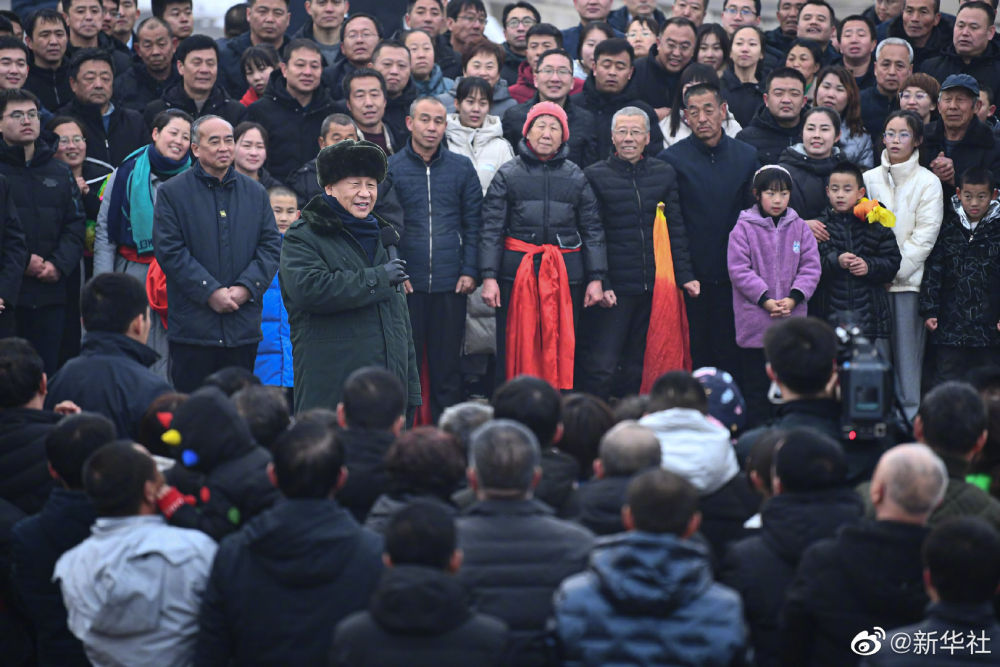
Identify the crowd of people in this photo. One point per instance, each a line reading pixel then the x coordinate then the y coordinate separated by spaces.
pixel 367 332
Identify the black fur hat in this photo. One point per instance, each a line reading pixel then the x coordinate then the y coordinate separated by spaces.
pixel 350 158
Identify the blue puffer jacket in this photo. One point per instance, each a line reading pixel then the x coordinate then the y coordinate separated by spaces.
pixel 442 213
pixel 648 599
pixel 274 352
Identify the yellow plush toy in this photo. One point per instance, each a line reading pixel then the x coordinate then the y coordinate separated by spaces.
pixel 872 211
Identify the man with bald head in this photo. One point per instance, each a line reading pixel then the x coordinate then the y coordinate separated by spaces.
pixel 870 574
pixel 218 246
pixel 626 449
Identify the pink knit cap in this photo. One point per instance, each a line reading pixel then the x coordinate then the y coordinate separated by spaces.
pixel 547 109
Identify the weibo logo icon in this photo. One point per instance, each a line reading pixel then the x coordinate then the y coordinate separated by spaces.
pixel 868 643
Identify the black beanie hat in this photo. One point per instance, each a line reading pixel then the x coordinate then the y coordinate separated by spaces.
pixel 207 430
pixel 350 158
pixel 810 461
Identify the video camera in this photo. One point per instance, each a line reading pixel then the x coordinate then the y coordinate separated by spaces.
pixel 866 387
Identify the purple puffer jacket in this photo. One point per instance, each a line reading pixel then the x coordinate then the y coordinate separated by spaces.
pixel 762 258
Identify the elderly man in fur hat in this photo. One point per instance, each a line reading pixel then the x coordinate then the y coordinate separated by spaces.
pixel 341 289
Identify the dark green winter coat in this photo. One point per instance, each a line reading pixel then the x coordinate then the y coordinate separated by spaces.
pixel 342 311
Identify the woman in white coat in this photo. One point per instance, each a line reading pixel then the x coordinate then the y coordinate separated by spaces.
pixel 914 195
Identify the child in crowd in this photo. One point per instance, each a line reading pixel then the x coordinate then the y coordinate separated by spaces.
pixel 774 267
pixel 859 259
pixel 274 352
pixel 257 63
pixel 959 296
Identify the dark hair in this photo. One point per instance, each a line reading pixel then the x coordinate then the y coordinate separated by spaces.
pixel 265 410
pixel 307 461
pixel 761 457
pixel 808 460
pixel 363 73
pixel 373 398
pixel 771 177
pixel 410 3
pixel 784 73
pixel 963 556
pixel 678 389
pixel 983 88
pixel 976 176
pixel 532 402
pixel 21 371
pixel 473 84
pixel 153 21
pixel 231 379
pixel 647 21
pixel 558 51
pixel 852 112
pixel 14 43
pixel 44 16
pixel 801 351
pixel 162 119
pixel 954 417
pixel 259 56
pixel 846 167
pixel 110 301
pixel 56 121
pixel 455 6
pixel 234 21
pixel 661 502
pixel 422 533
pixel 708 29
pixel 482 47
pixel 12 16
pixel 826 111
pixel 73 439
pixel 425 461
pixel 195 43
pixel 856 17
pixel 546 30
pixel 612 46
pixel 991 12
pixel 725 3
pixel 520 4
pixel 388 44
pixel 115 477
pixel 693 72
pixel 913 122
pixel 682 22
pixel 17 95
pixel 248 125
pixel 353 16
pixel 86 55
pixel 504 455
pixel 631 407
pixel 814 48
pixel 301 43
pixel 824 3
pixel 586 418
pixel 159 7
pixel 156 421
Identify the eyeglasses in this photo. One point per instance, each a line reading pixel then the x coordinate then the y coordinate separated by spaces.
pixel 75 139
pixel 634 34
pixel 670 46
pixel 560 71
pixel 472 18
pixel 19 116
pixel 527 22
pixel 745 12
pixel 892 136
pixel 627 132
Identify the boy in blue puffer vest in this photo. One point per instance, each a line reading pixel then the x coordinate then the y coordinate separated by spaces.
pixel 274 352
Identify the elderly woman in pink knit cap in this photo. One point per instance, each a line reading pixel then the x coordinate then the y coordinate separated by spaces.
pixel 541 251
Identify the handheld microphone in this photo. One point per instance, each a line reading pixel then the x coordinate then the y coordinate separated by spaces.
pixel 390 239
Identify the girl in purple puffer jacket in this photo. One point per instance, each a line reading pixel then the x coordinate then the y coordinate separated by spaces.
pixel 774 267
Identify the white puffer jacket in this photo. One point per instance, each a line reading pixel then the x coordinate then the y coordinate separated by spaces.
pixel 485 146
pixel 913 193
pixel 695 447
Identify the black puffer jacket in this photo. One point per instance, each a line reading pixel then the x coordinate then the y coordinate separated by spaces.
pixel 135 87
pixel 768 137
pixel 292 129
pixel 539 202
pixel 601 502
pixel 396 111
pixel 985 69
pixel 418 617
pixel 761 567
pixel 13 247
pixel 628 195
pixel 364 451
pixel 808 179
pixel 978 148
pixel 126 131
pixel 604 105
pixel 744 99
pixel 50 85
pixel 24 473
pixel 217 104
pixel 961 284
pixel 582 130
pixel 865 296
pixel 48 205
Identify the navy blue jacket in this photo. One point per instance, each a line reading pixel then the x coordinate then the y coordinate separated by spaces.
pixel 210 234
pixel 37 543
pixel 111 377
pixel 714 186
pixel 442 213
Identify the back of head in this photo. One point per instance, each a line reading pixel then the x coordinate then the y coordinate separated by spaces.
pixel 532 402
pixel 914 480
pixel 808 461
pixel 265 410
pixel 760 460
pixel 461 419
pixel 110 301
pixel 954 418
pixel 661 502
pixel 629 448
pixel 585 419
pixel 373 398
pixel 21 371
pixel 307 461
pixel 801 352
pixel 156 421
pixel 207 431
pixel 963 556
pixel 231 379
pixel 425 460
pixel 678 389
pixel 72 441
pixel 115 477
pixel 505 456
pixel 422 533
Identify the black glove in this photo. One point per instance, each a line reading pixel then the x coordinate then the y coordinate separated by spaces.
pixel 395 271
